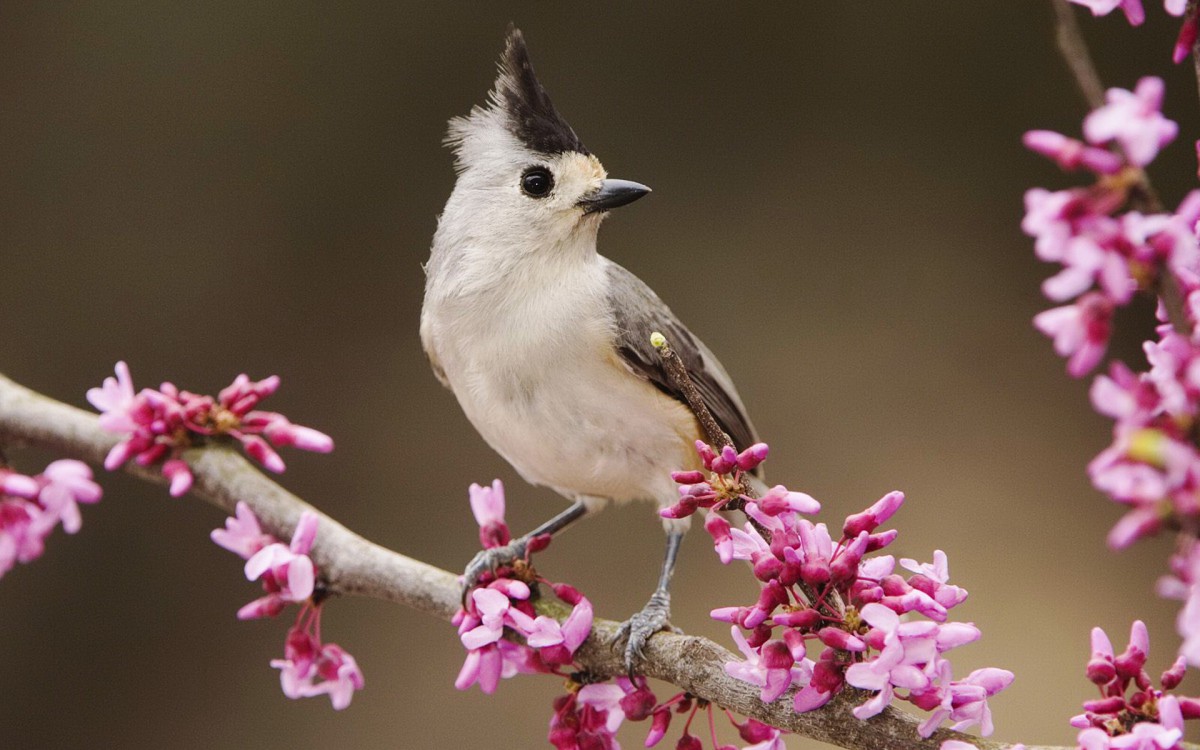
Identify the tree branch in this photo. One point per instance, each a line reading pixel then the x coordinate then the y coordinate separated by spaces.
pixel 350 564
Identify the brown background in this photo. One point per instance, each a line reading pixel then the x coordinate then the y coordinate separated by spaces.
pixel 214 187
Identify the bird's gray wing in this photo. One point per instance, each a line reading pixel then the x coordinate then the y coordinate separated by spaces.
pixel 638 312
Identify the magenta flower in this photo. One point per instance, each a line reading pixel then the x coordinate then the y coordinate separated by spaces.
pixel 160 424
pixel 774 669
pixel 492 607
pixel 587 719
pixel 1071 154
pixel 287 573
pixel 64 484
pixel 1133 10
pixel 1134 120
pixel 487 504
pixel 310 668
pixel 724 483
pixel 242 535
pixel 834 594
pixel 1184 585
pixel 504 604
pixel 32 507
pixel 1145 719
pixel 1080 331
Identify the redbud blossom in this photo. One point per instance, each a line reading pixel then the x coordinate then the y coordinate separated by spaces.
pixel 1132 9
pixel 1080 331
pixel 502 603
pixel 309 667
pixel 856 615
pixel 1147 717
pixel 487 504
pixel 288 574
pixel 160 424
pixel 1133 119
pixel 32 507
pixel 1071 154
pixel 242 535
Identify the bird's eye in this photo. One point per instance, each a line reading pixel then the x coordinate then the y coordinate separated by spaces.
pixel 537 182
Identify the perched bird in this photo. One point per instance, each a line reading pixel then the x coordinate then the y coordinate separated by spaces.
pixel 545 343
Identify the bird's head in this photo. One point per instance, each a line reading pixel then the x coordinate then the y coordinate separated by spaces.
pixel 523 174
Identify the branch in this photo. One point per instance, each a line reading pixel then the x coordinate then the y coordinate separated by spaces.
pixel 350 564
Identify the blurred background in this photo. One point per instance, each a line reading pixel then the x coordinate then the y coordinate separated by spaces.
pixel 208 188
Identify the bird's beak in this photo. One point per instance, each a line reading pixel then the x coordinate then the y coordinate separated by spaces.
pixel 612 193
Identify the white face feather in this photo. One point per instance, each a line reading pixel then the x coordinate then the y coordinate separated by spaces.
pixel 488 206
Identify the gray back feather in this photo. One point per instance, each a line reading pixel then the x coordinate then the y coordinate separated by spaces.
pixel 639 312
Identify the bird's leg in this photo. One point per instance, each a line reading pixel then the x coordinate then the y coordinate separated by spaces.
pixel 489 560
pixel 636 631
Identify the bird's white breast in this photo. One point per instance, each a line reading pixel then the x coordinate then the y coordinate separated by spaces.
pixel 528 352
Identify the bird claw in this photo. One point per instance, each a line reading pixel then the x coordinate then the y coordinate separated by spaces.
pixel 636 631
pixel 488 560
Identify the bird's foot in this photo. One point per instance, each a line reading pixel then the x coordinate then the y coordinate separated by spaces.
pixel 636 631
pixel 489 560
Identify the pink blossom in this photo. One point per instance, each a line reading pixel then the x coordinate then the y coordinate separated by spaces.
pixel 879 512
pixel 1051 218
pixel 780 499
pixel 1080 331
pixel 1086 261
pixel 487 504
pixel 1130 696
pixel 1133 10
pixel 503 604
pixel 32 507
pixel 158 425
pixel 492 607
pixel 587 719
pixel 242 534
pixel 287 573
pixel 773 673
pixel 64 484
pixel 114 399
pixel 310 668
pixel 1071 154
pixel 1134 120
pixel 897 660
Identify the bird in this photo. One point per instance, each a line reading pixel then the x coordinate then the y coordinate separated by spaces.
pixel 545 343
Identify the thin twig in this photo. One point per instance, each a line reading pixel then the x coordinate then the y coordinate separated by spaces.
pixel 1075 52
pixel 677 372
pixel 717 437
pixel 1189 16
pixel 353 565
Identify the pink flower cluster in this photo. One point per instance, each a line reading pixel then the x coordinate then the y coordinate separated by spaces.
pixel 160 424
pixel 1183 584
pixel 1152 465
pixel 288 575
pixel 836 598
pixel 505 636
pixel 724 483
pixel 502 602
pixel 1131 712
pixel 32 507
pixel 588 716
pixel 1136 15
pixel 1106 256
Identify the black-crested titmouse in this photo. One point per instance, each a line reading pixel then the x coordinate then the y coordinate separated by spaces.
pixel 545 343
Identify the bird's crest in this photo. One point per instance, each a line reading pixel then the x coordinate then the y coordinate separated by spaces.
pixel 523 105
